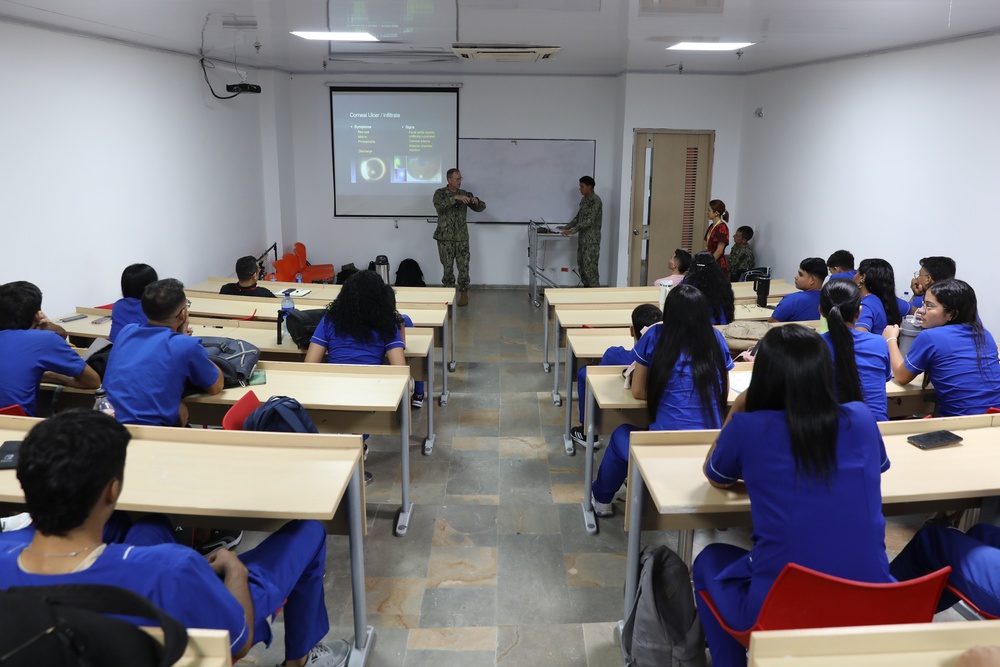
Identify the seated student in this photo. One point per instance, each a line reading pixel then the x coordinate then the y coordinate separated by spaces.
pixel 709 278
pixel 812 470
pixel 932 269
pixel 643 316
pixel 841 265
pixel 128 309
pixel 741 257
pixel 71 469
pixel 879 305
pixel 150 364
pixel 953 350
pixel 682 371
pixel 802 306
pixel 29 355
pixel 679 264
pixel 860 359
pixel 246 274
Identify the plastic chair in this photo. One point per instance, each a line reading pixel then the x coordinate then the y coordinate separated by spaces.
pixel 804 598
pixel 970 611
pixel 236 415
pixel 286 268
pixel 13 411
pixel 313 271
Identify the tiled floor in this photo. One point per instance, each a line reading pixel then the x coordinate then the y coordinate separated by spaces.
pixel 496 568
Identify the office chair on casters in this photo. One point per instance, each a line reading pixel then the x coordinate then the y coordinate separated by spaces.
pixel 803 598
pixel 756 272
pixel 236 415
pixel 13 411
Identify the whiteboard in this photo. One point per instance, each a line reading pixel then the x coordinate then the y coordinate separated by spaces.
pixel 526 179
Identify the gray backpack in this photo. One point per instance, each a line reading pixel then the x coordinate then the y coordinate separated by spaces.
pixel 662 628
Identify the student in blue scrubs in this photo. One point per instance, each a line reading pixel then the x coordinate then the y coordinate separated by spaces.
pixel 953 350
pixel 931 269
pixel 802 306
pixel 860 359
pixel 128 309
pixel 879 306
pixel 812 468
pixel 707 276
pixel 840 263
pixel 682 371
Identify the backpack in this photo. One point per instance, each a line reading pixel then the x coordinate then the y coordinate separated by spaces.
pixel 66 626
pixel 235 358
pixel 663 628
pixel 282 414
pixel 346 271
pixel 302 324
pixel 409 274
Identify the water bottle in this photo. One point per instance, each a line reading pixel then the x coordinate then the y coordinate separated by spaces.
pixel 298 277
pixel 274 277
pixel 287 304
pixel 102 404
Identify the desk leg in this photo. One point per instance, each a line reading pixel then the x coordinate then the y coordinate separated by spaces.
pixel 444 370
pixel 685 546
pixel 363 635
pixel 545 337
pixel 556 400
pixel 454 316
pixel 406 510
pixel 567 439
pixel 589 520
pixel 429 394
pixel 637 493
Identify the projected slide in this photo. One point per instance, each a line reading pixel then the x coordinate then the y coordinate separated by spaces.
pixel 391 149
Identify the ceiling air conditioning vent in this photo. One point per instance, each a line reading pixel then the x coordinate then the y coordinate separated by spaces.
pixel 504 52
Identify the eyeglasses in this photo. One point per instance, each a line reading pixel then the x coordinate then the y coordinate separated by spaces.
pixel 188 302
pixel 916 274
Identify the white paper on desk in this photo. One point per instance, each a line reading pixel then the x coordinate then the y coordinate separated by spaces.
pixel 739 381
pixel 98 344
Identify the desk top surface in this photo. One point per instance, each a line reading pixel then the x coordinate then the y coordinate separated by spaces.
pixel 573 316
pixel 409 295
pixel 176 471
pixel 671 463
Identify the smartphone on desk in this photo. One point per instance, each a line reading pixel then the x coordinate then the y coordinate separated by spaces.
pixel 934 439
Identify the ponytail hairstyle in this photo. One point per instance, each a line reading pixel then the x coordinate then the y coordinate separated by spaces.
pixel 792 371
pixel 719 207
pixel 839 301
pixel 686 336
pixel 880 280
pixel 707 276
pixel 959 300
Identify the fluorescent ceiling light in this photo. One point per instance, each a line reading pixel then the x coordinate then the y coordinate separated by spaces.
pixel 337 36
pixel 709 46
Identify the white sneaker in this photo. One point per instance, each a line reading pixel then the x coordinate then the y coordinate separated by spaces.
pixel 16 522
pixel 603 510
pixel 329 655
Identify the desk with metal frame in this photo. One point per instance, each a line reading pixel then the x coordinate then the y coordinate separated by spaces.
pixel 536 231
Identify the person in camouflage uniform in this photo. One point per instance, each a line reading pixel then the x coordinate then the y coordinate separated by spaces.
pixel 741 256
pixel 587 223
pixel 452 233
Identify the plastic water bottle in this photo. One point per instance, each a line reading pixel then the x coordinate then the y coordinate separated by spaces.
pixel 274 277
pixel 287 304
pixel 298 277
pixel 102 404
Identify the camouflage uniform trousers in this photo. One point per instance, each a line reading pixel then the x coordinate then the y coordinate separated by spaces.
pixel 587 255
pixel 451 253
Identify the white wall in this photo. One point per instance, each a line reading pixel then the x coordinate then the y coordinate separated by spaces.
pixel 678 102
pixel 114 155
pixel 891 156
pixel 489 106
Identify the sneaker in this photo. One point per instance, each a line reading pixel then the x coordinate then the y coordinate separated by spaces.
pixel 329 655
pixel 580 437
pixel 16 522
pixel 603 510
pixel 417 401
pixel 364 452
pixel 221 539
pixel 368 478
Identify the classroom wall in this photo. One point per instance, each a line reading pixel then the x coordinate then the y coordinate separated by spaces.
pixel 890 156
pixel 114 155
pixel 489 107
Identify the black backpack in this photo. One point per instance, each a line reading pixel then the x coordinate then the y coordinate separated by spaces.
pixel 663 628
pixel 235 358
pixel 67 626
pixel 281 414
pixel 302 324
pixel 409 274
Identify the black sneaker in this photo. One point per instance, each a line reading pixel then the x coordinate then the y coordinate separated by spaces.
pixel 417 401
pixel 220 539
pixel 580 437
pixel 368 478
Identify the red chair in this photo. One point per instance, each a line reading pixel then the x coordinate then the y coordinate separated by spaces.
pixel 993 411
pixel 286 268
pixel 316 271
pixel 13 411
pixel 236 415
pixel 975 611
pixel 804 598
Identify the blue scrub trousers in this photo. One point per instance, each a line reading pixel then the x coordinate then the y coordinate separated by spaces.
pixel 730 598
pixel 614 466
pixel 418 385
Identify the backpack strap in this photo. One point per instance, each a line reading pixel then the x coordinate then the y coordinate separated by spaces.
pixel 118 601
pixel 291 417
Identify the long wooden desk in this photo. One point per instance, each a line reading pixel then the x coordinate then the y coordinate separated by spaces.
pixel 913 645
pixel 299 476
pixel 669 464
pixel 405 296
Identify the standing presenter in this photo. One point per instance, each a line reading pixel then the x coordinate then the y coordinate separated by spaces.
pixel 452 233
pixel 587 224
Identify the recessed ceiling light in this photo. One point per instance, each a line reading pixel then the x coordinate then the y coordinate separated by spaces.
pixel 709 46
pixel 337 36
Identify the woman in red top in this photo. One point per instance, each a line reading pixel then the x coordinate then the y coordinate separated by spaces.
pixel 717 236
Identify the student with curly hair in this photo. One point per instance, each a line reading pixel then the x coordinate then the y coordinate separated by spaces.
pixel 709 278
